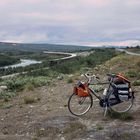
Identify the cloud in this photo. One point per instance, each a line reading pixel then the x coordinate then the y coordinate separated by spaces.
pixel 69 21
pixel 23 37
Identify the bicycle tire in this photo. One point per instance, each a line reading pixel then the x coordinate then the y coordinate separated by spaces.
pixel 122 107
pixel 76 104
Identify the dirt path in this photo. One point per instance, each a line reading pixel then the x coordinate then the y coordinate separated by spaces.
pixel 49 118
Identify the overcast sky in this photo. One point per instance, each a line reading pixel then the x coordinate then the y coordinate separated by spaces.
pixel 69 21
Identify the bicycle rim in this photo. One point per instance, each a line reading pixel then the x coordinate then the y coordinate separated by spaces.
pixel 121 107
pixel 79 105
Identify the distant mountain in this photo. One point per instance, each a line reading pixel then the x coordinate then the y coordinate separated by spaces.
pixel 120 44
pixel 40 47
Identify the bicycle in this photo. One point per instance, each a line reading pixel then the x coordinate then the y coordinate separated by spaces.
pixel 117 97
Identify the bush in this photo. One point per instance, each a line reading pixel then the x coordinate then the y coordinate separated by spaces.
pixel 99 127
pixel 29 99
pixel 15 84
pixel 70 80
pixel 136 83
pixel 19 83
pixel 75 64
pixel 121 116
pixel 7 95
pixel 132 74
pixel 29 87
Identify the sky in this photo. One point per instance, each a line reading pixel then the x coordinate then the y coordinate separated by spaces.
pixel 69 21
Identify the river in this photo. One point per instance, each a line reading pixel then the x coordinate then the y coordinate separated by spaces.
pixel 27 62
pixel 23 63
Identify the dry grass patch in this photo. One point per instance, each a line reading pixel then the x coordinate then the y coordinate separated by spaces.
pixel 31 99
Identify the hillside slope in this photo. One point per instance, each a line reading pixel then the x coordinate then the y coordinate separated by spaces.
pixel 48 117
pixel 40 47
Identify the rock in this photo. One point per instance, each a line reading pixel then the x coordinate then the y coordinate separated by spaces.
pixel 70 75
pixel 60 77
pixel 2 88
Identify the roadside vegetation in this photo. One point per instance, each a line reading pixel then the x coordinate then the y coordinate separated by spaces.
pixel 42 74
pixel 99 61
pixel 134 49
pixel 99 56
pixel 36 99
pixel 20 83
pixel 5 60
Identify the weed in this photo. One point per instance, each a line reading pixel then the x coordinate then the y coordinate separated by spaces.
pixel 29 99
pixel 6 95
pixel 74 127
pixel 136 83
pixel 65 105
pixel 99 127
pixel 132 74
pixel 70 80
pixel 49 131
pixel 121 116
pixel 7 106
pixel 29 87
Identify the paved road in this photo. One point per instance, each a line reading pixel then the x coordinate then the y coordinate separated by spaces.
pixel 130 53
pixel 70 55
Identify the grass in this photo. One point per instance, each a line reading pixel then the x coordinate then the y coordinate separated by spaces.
pixel 4 105
pixel 30 99
pixel 136 83
pixel 74 127
pixel 27 82
pixel 6 95
pixel 29 87
pixel 99 127
pixel 47 132
pixel 16 84
pixel 132 74
pixel 76 64
pixel 122 63
pixel 121 116
pixel 122 135
pixel 70 80
pixel 7 106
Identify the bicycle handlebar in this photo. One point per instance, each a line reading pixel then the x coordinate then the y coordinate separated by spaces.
pixel 89 77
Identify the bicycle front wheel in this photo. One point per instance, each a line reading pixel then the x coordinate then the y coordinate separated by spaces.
pixel 120 106
pixel 79 105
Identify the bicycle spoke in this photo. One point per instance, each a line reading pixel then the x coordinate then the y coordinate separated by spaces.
pixel 79 105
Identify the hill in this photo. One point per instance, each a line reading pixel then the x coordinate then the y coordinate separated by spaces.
pixel 40 47
pixel 42 114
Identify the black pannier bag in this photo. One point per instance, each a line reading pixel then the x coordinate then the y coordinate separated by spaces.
pixel 122 88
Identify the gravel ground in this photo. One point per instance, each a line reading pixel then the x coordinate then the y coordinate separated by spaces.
pixel 48 118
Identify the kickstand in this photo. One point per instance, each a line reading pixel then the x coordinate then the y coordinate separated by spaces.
pixel 105 109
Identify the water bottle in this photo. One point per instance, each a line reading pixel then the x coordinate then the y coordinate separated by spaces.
pixel 105 92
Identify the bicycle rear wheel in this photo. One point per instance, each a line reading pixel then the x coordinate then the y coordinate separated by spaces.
pixel 121 106
pixel 79 105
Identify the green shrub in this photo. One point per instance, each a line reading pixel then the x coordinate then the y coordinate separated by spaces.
pixel 29 87
pixel 19 83
pixel 121 116
pixel 136 83
pixel 7 95
pixel 70 80
pixel 15 84
pixel 99 127
pixel 29 99
pixel 7 106
pixel 132 74
pixel 70 66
